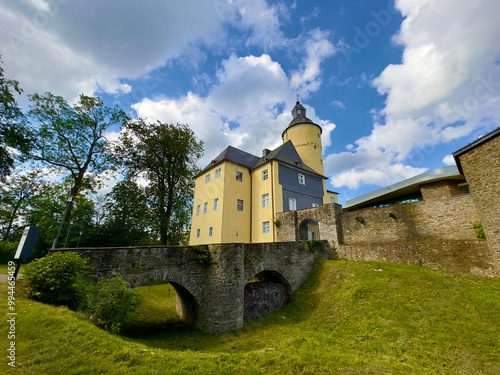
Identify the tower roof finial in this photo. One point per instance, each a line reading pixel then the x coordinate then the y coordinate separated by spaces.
pixel 299 109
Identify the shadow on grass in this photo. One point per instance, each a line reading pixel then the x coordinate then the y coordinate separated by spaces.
pixel 139 330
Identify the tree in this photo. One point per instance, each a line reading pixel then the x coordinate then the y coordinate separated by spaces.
pixel 15 197
pixel 46 210
pixel 11 117
pixel 126 218
pixel 166 155
pixel 72 138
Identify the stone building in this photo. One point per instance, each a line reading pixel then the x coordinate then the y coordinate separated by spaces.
pixel 479 162
pixel 281 196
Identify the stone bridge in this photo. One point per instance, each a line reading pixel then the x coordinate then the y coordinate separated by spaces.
pixel 210 297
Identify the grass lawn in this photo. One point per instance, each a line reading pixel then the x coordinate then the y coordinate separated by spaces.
pixel 3 269
pixel 348 318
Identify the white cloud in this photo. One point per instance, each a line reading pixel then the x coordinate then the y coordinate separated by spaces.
pixel 318 48
pixel 449 160
pixel 243 108
pixel 338 104
pixel 446 87
pixel 72 47
pixel 263 20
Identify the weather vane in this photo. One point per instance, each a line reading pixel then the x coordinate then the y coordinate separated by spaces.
pixel 298 97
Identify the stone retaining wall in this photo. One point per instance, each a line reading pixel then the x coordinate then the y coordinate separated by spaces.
pixel 467 256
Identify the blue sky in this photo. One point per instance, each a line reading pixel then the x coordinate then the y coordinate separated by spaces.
pixel 396 85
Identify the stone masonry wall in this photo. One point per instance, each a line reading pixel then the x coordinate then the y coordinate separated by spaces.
pixel 481 167
pixel 441 215
pixel 436 232
pixel 461 256
pixel 209 297
pixel 328 217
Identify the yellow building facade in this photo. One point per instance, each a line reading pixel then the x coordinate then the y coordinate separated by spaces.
pixel 238 194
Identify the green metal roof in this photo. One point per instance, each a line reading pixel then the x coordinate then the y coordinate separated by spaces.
pixel 411 185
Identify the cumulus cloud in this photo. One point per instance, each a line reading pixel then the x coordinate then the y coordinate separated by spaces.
pixel 69 48
pixel 317 47
pixel 72 47
pixel 264 20
pixel 449 160
pixel 248 107
pixel 447 86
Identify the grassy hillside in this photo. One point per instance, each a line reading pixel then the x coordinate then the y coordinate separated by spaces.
pixel 349 318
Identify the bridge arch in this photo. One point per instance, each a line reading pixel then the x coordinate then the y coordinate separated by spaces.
pixel 188 293
pixel 265 292
pixel 211 297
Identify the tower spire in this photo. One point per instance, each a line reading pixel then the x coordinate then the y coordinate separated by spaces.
pixel 298 110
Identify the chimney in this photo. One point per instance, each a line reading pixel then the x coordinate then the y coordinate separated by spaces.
pixel 265 152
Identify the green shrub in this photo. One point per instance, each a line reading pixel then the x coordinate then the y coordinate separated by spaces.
pixel 111 303
pixel 204 255
pixel 315 246
pixel 58 279
pixel 7 251
pixel 479 231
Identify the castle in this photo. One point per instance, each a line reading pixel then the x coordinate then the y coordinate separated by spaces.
pixel 238 195
pixel 281 196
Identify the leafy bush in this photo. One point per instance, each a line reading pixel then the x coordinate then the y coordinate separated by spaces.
pixel 7 251
pixel 112 303
pixel 204 255
pixel 479 231
pixel 58 279
pixel 315 246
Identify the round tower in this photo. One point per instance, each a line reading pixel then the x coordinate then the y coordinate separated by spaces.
pixel 306 137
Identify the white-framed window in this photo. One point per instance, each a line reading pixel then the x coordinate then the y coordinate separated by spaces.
pixel 315 205
pixel 265 200
pixel 332 200
pixel 217 173
pixel 207 178
pixel 210 231
pixel 198 210
pixel 197 233
pixel 292 204
pixel 302 179
pixel 239 204
pixel 266 227
pixel 205 207
pixel 239 176
pixel 265 175
pixel 216 204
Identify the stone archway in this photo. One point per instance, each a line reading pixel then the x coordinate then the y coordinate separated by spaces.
pixel 265 292
pixel 187 293
pixel 309 230
pixel 186 305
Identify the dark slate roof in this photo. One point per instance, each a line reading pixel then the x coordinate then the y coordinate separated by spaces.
pixel 234 155
pixel 285 154
pixel 473 145
pixel 299 118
